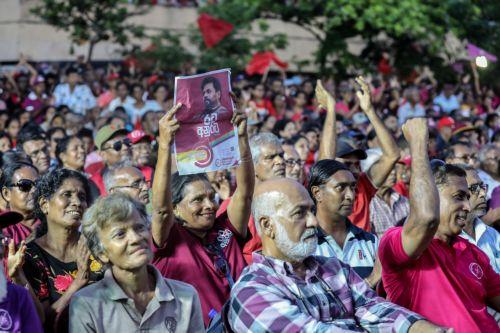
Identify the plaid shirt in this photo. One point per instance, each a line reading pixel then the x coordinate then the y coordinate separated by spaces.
pixel 384 216
pixel 269 297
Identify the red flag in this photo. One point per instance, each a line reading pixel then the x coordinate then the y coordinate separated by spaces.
pixel 213 30
pixel 261 61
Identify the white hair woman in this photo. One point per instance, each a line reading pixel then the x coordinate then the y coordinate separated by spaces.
pixel 133 296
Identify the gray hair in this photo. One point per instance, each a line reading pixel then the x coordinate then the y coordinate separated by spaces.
pixel 259 140
pixel 485 150
pixel 110 173
pixel 265 205
pixel 116 207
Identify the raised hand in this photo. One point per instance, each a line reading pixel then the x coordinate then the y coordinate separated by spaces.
pixel 363 94
pixel 239 119
pixel 324 98
pixel 15 259
pixel 416 130
pixel 168 126
pixel 82 262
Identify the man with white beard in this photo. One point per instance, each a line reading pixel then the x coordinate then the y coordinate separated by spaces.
pixel 287 289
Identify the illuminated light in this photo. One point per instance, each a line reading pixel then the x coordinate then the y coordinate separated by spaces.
pixel 481 61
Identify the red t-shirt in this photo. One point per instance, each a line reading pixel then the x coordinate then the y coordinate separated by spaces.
pixel 360 216
pixel 19 232
pixel 448 285
pixel 185 258
pixel 254 243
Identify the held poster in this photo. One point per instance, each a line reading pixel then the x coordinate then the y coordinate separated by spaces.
pixel 206 140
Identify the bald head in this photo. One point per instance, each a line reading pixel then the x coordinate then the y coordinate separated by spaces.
pixel 277 194
pixel 283 213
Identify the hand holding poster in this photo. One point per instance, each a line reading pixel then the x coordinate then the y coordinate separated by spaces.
pixel 206 140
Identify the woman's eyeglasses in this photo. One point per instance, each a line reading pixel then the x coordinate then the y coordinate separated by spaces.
pixel 24 185
pixel 117 146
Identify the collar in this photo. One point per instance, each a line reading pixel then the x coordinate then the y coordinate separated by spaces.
pixel 163 291
pixel 479 228
pixel 284 267
pixel 352 232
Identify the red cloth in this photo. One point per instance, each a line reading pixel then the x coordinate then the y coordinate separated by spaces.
pixel 402 189
pixel 254 243
pixel 185 258
pixel 448 285
pixel 360 216
pixel 384 67
pixel 96 177
pixel 261 61
pixel 147 171
pixel 213 30
pixel 19 232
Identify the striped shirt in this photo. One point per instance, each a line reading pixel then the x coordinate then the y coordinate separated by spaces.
pixel 359 251
pixel 270 297
pixel 384 216
pixel 488 240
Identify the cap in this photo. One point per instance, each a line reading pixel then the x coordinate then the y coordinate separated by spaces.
pixel 8 218
pixel 137 135
pixel 39 79
pixel 106 133
pixel 406 161
pixel 446 122
pixel 463 128
pixel 347 147
pixel 373 155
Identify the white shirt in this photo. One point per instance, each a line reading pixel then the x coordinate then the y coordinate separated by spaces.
pixel 488 240
pixel 79 100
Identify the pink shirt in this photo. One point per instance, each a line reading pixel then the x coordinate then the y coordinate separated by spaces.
pixel 185 258
pixel 448 285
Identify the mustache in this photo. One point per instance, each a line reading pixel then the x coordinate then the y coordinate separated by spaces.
pixel 308 233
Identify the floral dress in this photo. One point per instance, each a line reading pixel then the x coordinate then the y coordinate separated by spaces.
pixel 49 277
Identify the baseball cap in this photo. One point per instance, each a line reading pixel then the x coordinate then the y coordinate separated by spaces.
pixel 39 79
pixel 446 122
pixel 137 135
pixel 347 147
pixel 106 133
pixel 373 156
pixel 8 218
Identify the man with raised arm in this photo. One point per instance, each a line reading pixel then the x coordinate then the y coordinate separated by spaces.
pixel 426 267
pixel 346 152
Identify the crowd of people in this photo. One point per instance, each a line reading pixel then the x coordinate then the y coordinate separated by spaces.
pixel 365 204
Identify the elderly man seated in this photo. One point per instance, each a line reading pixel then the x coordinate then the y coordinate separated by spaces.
pixel 125 178
pixel 288 290
pixel 132 296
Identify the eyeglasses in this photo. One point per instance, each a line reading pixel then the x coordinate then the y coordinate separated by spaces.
pixel 476 188
pixel 117 146
pixel 137 185
pixel 220 262
pixel 466 157
pixel 24 185
pixel 292 162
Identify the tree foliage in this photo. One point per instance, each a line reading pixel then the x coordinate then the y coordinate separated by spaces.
pixel 414 30
pixel 92 21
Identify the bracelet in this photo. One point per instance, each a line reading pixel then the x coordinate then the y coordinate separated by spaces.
pixel 246 159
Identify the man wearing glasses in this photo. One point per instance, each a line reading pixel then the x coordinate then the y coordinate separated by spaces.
pixel 113 147
pixel 461 153
pixel 127 179
pixel 476 231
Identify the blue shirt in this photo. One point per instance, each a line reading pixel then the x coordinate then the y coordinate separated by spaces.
pixel 488 240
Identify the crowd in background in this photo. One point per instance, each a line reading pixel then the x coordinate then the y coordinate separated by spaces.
pixel 86 157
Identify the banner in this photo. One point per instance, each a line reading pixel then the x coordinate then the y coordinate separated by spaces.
pixel 206 140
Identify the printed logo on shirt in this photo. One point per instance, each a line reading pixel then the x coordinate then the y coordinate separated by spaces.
pixel 476 270
pixel 170 324
pixel 224 236
pixel 361 255
pixel 5 320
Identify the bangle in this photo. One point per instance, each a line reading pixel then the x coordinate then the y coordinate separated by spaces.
pixel 246 159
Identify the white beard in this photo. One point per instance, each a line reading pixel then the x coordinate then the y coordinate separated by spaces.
pixel 3 283
pixel 296 251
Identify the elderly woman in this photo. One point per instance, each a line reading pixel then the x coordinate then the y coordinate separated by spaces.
pixel 190 242
pixel 132 296
pixel 58 263
pixel 17 185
